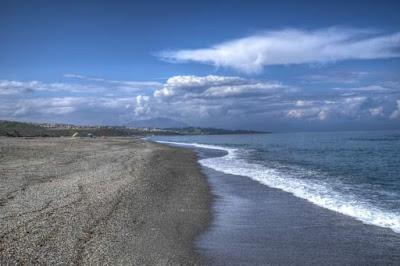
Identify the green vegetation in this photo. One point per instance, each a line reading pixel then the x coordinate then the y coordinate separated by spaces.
pixel 19 129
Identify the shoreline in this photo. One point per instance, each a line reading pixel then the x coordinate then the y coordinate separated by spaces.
pixel 131 201
pixel 254 224
pixel 89 201
pixel 359 213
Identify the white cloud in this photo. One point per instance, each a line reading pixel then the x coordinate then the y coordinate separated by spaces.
pixel 292 46
pixel 54 105
pixel 323 115
pixel 295 113
pixel 142 105
pixel 369 88
pixel 214 86
pixel 236 90
pixel 194 84
pixel 396 113
pixel 350 107
pixel 123 84
pixel 13 87
pixel 377 111
pixel 65 105
pixel 302 103
pixel 9 87
pixel 193 98
pixel 313 113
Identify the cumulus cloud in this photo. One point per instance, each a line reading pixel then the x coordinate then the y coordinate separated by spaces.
pixel 377 111
pixel 314 113
pixel 13 87
pixel 323 115
pixel 142 105
pixel 64 105
pixel 214 86
pixel 350 106
pixel 197 98
pixel 396 113
pixel 292 46
pixel 347 107
pixel 23 99
pixel 54 105
pixel 194 84
pixel 295 113
pixel 303 103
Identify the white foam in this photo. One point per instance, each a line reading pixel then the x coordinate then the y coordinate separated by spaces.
pixel 198 145
pixel 313 191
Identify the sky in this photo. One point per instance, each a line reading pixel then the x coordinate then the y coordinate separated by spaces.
pixel 263 65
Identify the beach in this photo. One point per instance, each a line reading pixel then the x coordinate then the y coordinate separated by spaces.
pixel 127 201
pixel 257 225
pixel 260 218
pixel 118 201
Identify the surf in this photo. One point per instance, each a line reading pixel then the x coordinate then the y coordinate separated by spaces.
pixel 317 192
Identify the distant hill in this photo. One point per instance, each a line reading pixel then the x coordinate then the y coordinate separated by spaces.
pixel 210 131
pixel 21 129
pixel 158 122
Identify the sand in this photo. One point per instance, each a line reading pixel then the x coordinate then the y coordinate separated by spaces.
pixel 118 201
pixel 254 224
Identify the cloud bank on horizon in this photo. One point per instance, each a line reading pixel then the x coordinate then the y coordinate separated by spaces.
pixel 227 101
pixel 292 46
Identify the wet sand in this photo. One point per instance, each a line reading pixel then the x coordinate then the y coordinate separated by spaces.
pixel 257 225
pixel 115 201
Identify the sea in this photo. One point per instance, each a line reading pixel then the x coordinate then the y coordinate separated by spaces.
pixel 356 174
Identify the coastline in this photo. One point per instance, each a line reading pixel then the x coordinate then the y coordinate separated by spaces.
pixel 125 201
pixel 254 224
pixel 257 225
pixel 109 201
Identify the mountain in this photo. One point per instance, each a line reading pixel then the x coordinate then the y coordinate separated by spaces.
pixel 210 131
pixel 158 122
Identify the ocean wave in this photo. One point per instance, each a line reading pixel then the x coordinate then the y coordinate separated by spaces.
pixel 314 191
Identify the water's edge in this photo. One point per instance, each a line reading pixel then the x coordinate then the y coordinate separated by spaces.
pixel 254 224
pixel 304 190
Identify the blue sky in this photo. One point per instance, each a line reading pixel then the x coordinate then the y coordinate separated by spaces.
pixel 272 65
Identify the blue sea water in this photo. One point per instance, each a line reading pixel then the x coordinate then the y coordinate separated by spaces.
pixel 353 173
